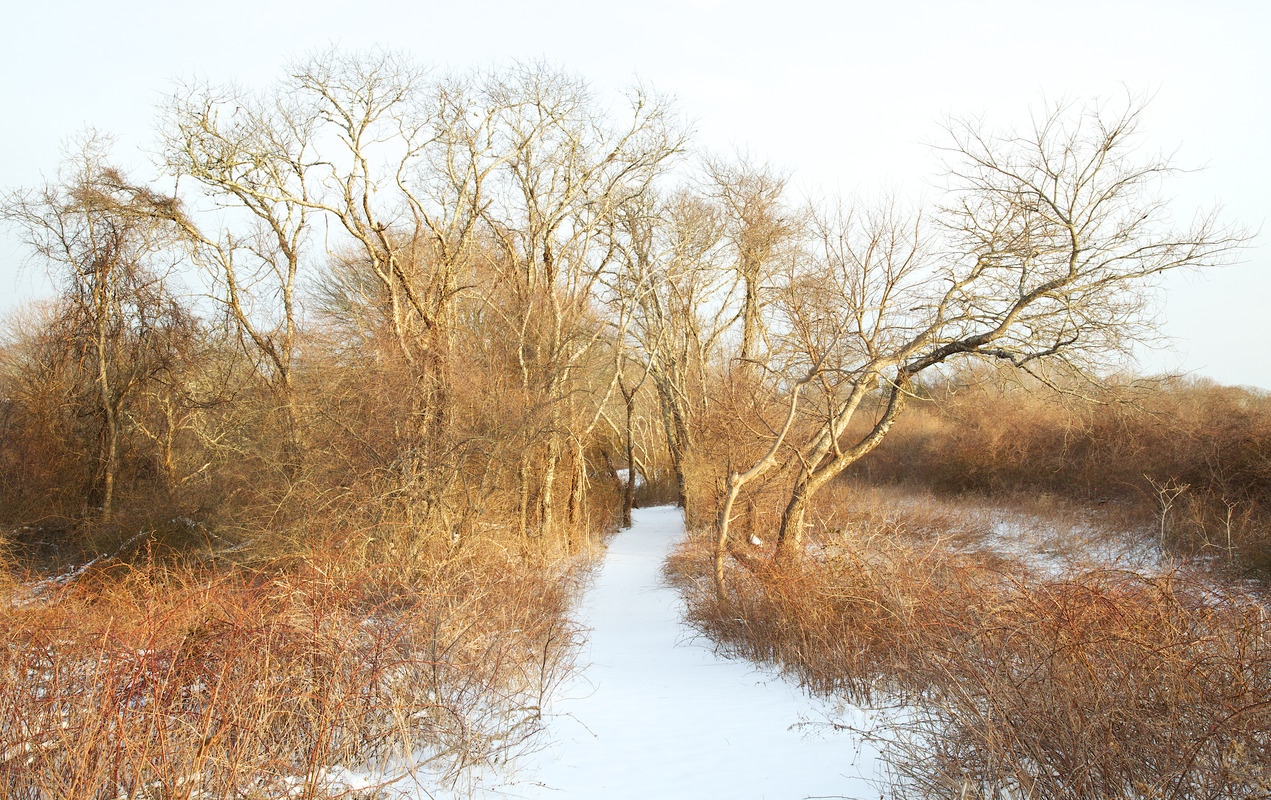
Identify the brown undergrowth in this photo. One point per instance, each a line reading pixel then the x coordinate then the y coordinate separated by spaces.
pixel 1191 458
pixel 1006 681
pixel 157 680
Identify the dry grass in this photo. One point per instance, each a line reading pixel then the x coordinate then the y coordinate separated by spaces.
pixel 178 682
pixel 1211 442
pixel 1108 684
pixel 1084 684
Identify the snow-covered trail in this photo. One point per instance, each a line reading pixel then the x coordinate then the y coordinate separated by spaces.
pixel 658 715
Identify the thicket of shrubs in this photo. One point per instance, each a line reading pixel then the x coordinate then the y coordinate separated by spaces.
pixel 294 678
pixel 1006 682
pixel 277 501
pixel 342 394
pixel 1193 457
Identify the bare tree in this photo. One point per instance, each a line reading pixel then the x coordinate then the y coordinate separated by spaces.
pixel 426 182
pixel 109 242
pixel 407 183
pixel 683 293
pixel 1044 254
pixel 629 387
pixel 252 156
pixel 708 257
pixel 569 171
pixel 762 230
pixel 369 145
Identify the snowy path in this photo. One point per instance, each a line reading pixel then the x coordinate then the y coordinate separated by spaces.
pixel 657 715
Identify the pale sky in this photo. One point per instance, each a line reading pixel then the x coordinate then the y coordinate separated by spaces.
pixel 847 96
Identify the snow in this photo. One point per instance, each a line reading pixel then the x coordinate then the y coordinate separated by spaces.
pixel 1057 549
pixel 1052 545
pixel 32 591
pixel 624 472
pixel 656 714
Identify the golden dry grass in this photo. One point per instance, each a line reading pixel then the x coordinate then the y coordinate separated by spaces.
pixel 1213 442
pixel 165 681
pixel 1090 683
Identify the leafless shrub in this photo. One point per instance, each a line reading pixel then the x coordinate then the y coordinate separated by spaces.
pixel 1109 684
pixel 154 681
pixel 1127 454
pixel 1093 684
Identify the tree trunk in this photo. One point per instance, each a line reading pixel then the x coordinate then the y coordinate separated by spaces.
pixel 436 361
pixel 790 535
pixel 293 450
pixel 110 436
pixel 578 489
pixel 811 478
pixel 110 465
pixel 546 499
pixel 628 492
pixel 523 481
pixel 721 532
pixel 166 467
pixel 750 319
pixel 676 441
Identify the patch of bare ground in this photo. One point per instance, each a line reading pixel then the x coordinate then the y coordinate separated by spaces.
pixel 1017 668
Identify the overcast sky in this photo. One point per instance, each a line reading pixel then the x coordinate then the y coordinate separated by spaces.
pixel 847 96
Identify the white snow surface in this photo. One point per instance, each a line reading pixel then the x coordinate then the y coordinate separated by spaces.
pixel 656 714
pixel 622 476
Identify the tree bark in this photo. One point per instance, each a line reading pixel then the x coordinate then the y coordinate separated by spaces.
pixel 628 492
pixel 789 550
pixel 547 509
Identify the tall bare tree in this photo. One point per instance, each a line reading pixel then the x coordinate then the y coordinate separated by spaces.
pixel 1044 253
pixel 370 146
pixel 569 171
pixel 763 230
pixel 683 293
pixel 417 179
pixel 109 243
pixel 253 157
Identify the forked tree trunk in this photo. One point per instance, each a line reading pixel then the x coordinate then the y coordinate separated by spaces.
pixel 790 534
pixel 789 551
pixel 737 480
